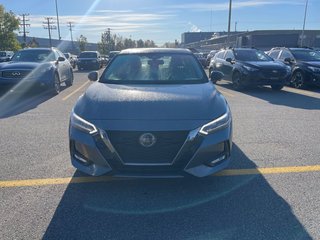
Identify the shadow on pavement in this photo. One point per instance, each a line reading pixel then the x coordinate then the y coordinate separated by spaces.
pixel 283 97
pixel 225 207
pixel 16 102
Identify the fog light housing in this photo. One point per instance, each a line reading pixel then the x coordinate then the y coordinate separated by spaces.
pixel 81 159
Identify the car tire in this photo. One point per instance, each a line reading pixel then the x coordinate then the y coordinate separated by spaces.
pixel 69 81
pixel 56 84
pixel 236 81
pixel 277 87
pixel 297 80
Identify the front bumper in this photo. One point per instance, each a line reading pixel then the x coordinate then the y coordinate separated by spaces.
pixel 260 79
pixel 199 155
pixel 313 78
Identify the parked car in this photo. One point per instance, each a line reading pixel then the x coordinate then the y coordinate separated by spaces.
pixel 89 60
pixel 45 67
pixel 113 54
pixel 250 67
pixel 5 56
pixel 152 112
pixel 304 64
pixel 210 56
pixel 104 60
pixel 72 59
pixel 201 58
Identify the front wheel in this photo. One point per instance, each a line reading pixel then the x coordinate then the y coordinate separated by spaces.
pixel 236 81
pixel 69 81
pixel 297 79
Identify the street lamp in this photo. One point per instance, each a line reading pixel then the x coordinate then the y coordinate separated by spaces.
pixel 229 23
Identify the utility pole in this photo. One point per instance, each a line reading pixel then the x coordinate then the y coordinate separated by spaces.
pixel 229 23
pixel 70 29
pixel 109 39
pixel 235 26
pixel 49 25
pixel 304 23
pixel 58 20
pixel 24 24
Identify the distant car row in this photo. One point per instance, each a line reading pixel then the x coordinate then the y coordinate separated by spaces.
pixel 245 67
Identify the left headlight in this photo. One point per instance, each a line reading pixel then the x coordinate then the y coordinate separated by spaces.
pixel 81 124
pixel 217 124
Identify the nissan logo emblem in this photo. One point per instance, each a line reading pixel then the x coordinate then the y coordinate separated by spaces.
pixel 147 140
pixel 15 73
pixel 275 71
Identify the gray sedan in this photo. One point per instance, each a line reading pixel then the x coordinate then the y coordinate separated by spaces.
pixel 152 112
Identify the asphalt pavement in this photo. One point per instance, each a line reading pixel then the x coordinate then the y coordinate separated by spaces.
pixel 270 190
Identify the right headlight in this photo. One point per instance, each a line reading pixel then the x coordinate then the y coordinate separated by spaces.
pixel 81 124
pixel 217 124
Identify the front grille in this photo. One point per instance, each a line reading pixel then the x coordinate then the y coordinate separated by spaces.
pixel 15 73
pixel 273 73
pixel 167 146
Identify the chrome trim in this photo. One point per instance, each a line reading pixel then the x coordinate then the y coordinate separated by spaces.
pixel 104 136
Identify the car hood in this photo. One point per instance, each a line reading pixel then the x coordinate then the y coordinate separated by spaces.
pixel 269 64
pixel 151 102
pixel 20 65
pixel 313 64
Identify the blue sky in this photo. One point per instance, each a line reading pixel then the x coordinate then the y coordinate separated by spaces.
pixel 163 20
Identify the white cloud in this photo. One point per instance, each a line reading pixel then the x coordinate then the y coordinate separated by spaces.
pixel 193 28
pixel 239 4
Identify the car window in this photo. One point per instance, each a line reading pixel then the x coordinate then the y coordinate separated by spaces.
pixel 229 54
pixel 88 55
pixel 251 55
pixel 274 54
pixel 286 54
pixel 306 55
pixel 219 55
pixel 34 56
pixel 156 68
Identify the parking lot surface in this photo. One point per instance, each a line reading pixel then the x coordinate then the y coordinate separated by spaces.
pixel 270 190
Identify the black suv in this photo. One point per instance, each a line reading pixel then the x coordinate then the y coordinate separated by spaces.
pixel 304 62
pixel 89 60
pixel 250 67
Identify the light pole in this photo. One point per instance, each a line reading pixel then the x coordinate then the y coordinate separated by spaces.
pixel 304 23
pixel 58 20
pixel 229 23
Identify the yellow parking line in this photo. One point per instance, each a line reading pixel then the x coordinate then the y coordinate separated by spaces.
pixel 228 172
pixel 299 91
pixel 226 93
pixel 75 91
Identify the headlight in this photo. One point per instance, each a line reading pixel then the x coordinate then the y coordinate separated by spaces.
pixel 251 69
pixel 314 69
pixel 219 123
pixel 82 124
pixel 94 61
pixel 44 70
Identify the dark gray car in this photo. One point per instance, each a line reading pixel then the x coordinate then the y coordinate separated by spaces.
pixel 152 112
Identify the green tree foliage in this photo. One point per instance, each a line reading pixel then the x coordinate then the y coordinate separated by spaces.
pixel 82 41
pixel 8 24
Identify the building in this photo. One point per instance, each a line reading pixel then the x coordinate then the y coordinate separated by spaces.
pixel 262 39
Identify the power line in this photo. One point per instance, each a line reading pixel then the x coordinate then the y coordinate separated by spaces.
pixel 49 25
pixel 24 24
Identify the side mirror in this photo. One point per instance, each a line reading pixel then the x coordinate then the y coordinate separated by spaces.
pixel 216 76
pixel 230 60
pixel 93 76
pixel 61 59
pixel 288 60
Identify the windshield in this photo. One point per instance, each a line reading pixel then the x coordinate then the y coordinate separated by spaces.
pixel 88 55
pixel 34 56
pixel 251 55
pixel 3 54
pixel 306 55
pixel 154 68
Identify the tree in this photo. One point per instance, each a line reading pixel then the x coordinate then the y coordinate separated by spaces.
pixel 140 43
pixel 82 41
pixel 103 44
pixel 8 24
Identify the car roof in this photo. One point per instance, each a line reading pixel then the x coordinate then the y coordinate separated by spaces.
pixel 155 50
